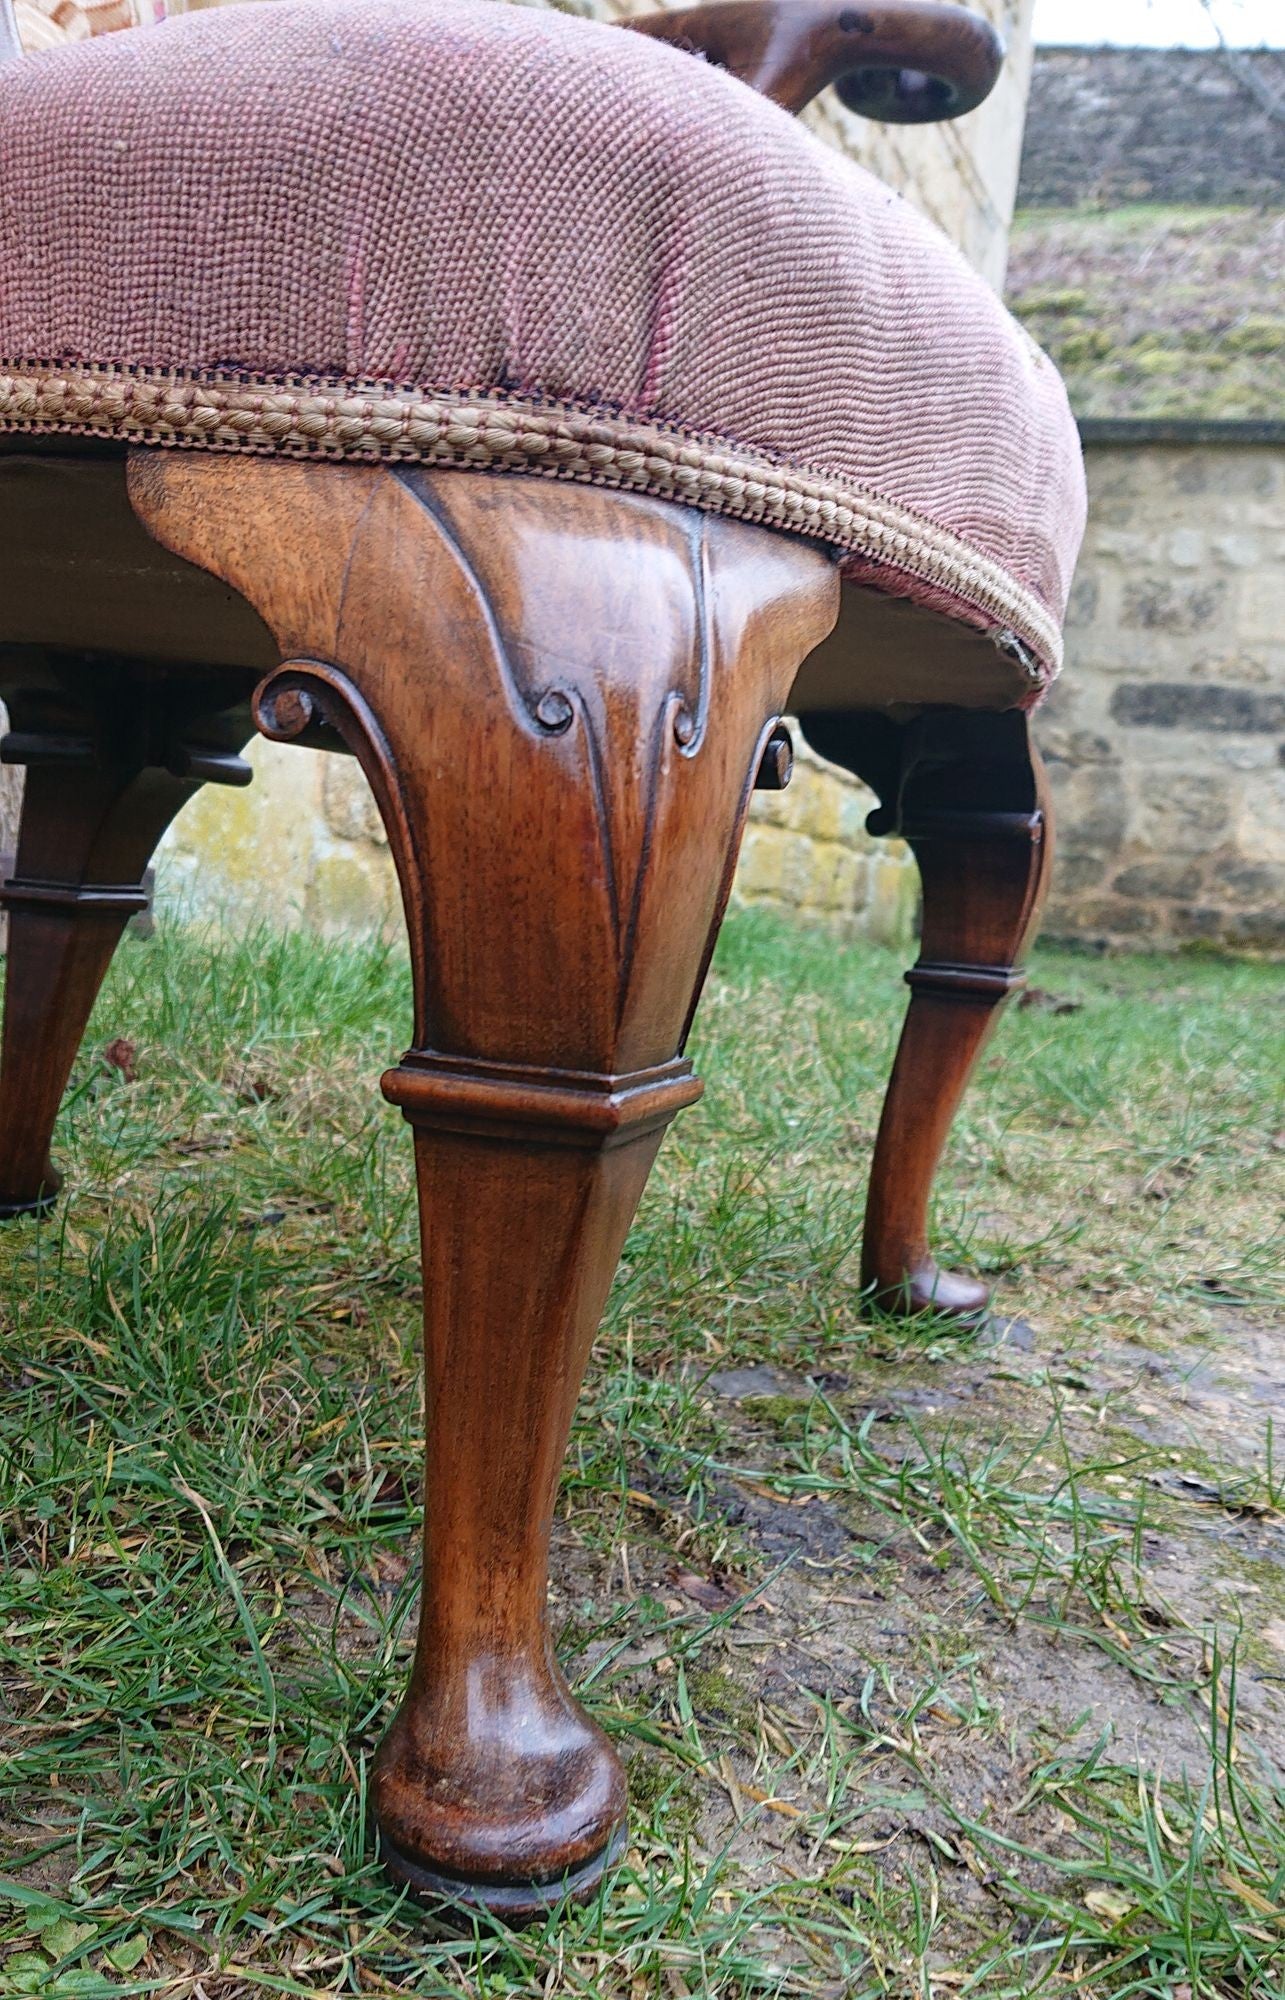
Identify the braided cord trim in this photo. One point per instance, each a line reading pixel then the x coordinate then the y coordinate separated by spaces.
pixel 344 421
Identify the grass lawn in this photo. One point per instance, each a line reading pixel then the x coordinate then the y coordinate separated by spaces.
pixel 942 1664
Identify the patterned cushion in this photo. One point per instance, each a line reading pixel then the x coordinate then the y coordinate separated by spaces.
pixel 497 237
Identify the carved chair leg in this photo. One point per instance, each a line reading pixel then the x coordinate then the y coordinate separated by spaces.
pixel 967 791
pixel 95 803
pixel 559 696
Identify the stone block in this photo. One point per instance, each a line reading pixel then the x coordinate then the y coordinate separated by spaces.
pixel 1183 812
pixel 1242 665
pixel 1190 922
pixel 1255 756
pixel 892 902
pixel 248 854
pixel 1191 473
pixel 847 880
pixel 1256 930
pixel 1092 808
pixel 799 879
pixel 761 864
pixel 1262 604
pixel 1188 548
pixel 1086 595
pixel 818 804
pixel 349 806
pixel 1197 705
pixel 1074 870
pixel 1078 746
pixel 1238 550
pixel 353 892
pixel 771 808
pixel 1160 603
pixel 855 806
pixel 1249 881
pixel 1112 917
pixel 1166 879
pixel 1260 817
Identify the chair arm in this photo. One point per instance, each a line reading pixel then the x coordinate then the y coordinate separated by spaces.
pixel 907 62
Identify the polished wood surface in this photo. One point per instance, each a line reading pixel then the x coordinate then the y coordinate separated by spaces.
pixel 112 752
pixel 905 62
pixel 968 793
pixel 561 698
pixel 79 573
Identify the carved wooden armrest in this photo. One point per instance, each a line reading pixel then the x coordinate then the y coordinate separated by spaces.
pixel 907 62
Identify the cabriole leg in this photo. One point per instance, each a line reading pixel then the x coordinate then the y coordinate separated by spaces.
pixel 106 773
pixel 967 791
pixel 560 697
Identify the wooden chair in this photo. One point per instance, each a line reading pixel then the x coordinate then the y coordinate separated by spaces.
pixel 536 413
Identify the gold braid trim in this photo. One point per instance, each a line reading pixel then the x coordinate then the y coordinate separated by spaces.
pixel 343 421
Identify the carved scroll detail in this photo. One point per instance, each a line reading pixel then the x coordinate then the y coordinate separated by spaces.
pixel 560 698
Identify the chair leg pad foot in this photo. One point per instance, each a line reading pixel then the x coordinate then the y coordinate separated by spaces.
pixel 41 1205
pixel 514 1903
pixel 946 1295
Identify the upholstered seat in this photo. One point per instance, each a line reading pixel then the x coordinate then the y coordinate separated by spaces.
pixel 475 234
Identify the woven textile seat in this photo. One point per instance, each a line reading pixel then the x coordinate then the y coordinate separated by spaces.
pixel 490 236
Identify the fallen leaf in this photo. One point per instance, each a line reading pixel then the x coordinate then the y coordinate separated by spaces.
pixel 390 1492
pixel 26 1971
pixel 762 1492
pixel 704 1590
pixel 1218 1288
pixel 64 1936
pixel 249 1089
pixel 1108 1903
pixel 122 1056
pixel 211 1142
pixel 125 1956
pixel 1187 1486
pixel 1048 1003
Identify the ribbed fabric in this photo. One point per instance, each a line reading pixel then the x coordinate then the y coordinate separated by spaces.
pixel 395 212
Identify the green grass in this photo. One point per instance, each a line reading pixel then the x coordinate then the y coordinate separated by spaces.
pixel 939 1665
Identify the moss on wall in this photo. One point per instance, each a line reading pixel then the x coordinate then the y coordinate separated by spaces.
pixel 1157 312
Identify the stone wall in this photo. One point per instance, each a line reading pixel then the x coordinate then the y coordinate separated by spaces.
pixel 805 850
pixel 1166 735
pixel 1172 125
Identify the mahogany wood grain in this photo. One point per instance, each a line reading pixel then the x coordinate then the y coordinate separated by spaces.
pixel 561 698
pixel 112 753
pixel 905 62
pixel 968 792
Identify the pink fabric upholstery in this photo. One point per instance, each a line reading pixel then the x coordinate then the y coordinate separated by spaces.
pixel 482 234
